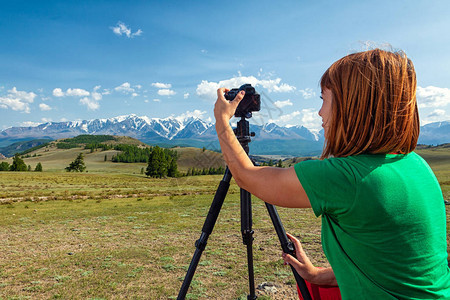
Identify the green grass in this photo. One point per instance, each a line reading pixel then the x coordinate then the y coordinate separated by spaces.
pixel 439 160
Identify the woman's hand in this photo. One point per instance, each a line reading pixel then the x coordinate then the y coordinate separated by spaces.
pixel 305 268
pixel 301 262
pixel 224 109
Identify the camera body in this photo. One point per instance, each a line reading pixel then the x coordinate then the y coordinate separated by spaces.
pixel 250 103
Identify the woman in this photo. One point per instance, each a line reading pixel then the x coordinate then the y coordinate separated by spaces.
pixel 383 215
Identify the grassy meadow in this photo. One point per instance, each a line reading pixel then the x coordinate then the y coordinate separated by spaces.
pixel 112 233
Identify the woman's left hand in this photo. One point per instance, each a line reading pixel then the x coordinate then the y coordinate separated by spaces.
pixel 300 262
pixel 305 268
pixel 224 109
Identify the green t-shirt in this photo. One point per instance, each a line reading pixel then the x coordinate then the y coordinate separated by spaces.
pixel 383 225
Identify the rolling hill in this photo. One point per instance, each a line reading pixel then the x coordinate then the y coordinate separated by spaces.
pixel 56 159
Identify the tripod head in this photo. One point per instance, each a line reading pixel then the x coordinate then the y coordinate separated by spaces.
pixel 243 134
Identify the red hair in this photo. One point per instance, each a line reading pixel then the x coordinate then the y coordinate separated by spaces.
pixel 374 107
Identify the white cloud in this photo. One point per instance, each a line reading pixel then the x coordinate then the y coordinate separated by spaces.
pixel 186 95
pixel 46 120
pixel 166 92
pixel 198 114
pixel 96 96
pixel 29 124
pixel 281 104
pixel 164 88
pixel 274 85
pixel 160 85
pixel 437 113
pixel 58 92
pixel 208 90
pixel 70 92
pixel 90 103
pixel 284 119
pixel 122 29
pixel 432 96
pixel 156 100
pixel 77 92
pixel 124 88
pixel 44 107
pixel 138 86
pixel 134 95
pixel 311 119
pixel 307 93
pixel 435 116
pixel 139 32
pixel 17 100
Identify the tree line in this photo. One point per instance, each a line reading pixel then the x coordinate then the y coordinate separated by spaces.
pixel 132 154
pixel 19 165
pixel 84 139
pixel 205 171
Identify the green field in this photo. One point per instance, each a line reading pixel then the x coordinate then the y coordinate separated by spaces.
pixel 112 233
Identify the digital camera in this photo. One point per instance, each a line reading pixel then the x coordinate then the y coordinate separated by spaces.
pixel 250 103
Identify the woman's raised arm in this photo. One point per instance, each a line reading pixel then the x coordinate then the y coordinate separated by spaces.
pixel 276 186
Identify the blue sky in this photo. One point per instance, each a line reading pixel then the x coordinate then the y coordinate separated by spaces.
pixel 78 60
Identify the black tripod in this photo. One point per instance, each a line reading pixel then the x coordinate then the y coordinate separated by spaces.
pixel 243 135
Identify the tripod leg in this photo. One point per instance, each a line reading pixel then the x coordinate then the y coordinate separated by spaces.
pixel 247 238
pixel 288 248
pixel 208 226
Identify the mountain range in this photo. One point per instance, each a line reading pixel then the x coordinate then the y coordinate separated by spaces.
pixel 270 139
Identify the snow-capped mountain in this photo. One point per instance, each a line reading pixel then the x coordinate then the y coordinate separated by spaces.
pixel 435 133
pixel 129 125
pixel 147 128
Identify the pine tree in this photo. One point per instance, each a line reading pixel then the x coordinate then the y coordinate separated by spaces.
pixel 221 170
pixel 77 165
pixel 106 157
pixel 18 164
pixel 157 163
pixel 173 168
pixel 38 167
pixel 280 164
pixel 4 166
